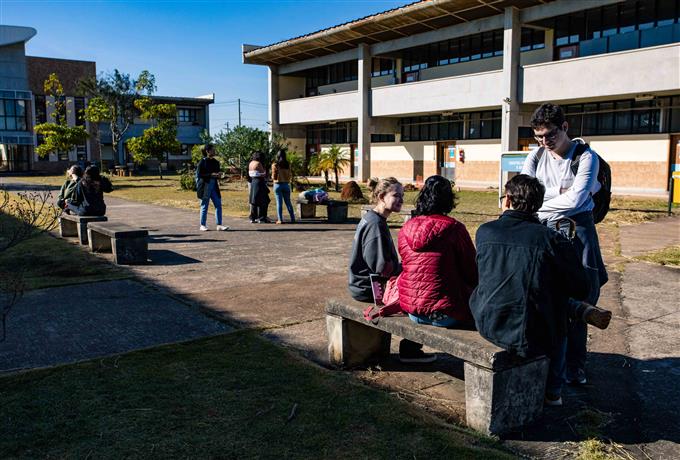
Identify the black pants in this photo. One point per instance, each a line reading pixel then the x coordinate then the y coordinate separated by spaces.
pixel 258 212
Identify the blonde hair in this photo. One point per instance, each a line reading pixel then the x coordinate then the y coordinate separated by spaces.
pixel 379 187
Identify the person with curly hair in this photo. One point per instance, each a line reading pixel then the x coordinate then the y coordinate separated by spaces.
pixel 439 271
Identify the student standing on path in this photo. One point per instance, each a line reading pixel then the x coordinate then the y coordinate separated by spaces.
pixel 208 187
pixel 281 174
pixel 68 190
pixel 568 195
pixel 373 253
pixel 259 192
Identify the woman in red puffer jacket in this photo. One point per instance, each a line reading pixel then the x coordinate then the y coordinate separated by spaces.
pixel 438 260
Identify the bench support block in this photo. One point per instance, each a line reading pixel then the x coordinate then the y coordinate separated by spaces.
pixel 67 228
pixel 496 402
pixel 353 344
pixel 129 251
pixel 306 210
pixel 99 242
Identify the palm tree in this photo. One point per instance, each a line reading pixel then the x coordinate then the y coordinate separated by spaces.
pixel 318 164
pixel 336 159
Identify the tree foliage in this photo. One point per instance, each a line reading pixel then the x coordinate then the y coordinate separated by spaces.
pixel 57 135
pixel 161 137
pixel 237 146
pixel 112 97
pixel 337 159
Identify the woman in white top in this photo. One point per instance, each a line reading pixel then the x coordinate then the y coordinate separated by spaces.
pixel 259 192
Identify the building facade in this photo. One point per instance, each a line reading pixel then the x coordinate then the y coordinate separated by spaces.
pixel 24 104
pixel 445 86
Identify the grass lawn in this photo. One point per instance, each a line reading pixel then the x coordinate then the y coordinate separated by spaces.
pixel 47 261
pixel 234 396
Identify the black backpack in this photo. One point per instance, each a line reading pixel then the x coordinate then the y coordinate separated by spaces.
pixel 601 198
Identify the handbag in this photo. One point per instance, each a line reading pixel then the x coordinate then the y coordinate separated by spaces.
pixel 391 305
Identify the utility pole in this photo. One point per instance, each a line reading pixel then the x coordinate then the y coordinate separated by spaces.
pixel 239 111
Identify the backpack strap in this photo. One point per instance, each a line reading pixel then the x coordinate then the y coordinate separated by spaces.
pixel 539 154
pixel 581 148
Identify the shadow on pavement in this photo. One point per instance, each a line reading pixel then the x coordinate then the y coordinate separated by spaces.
pixel 164 257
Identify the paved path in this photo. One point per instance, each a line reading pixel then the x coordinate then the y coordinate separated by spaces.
pixel 276 278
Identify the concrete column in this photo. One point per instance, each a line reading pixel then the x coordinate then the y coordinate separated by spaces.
pixel 273 99
pixel 364 122
pixel 510 105
pixel 398 66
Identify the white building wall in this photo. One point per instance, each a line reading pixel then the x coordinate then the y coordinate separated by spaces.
pixel 340 106
pixel 601 77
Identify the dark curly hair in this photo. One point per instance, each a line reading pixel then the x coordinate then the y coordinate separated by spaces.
pixel 526 193
pixel 257 156
pixel 436 197
pixel 547 115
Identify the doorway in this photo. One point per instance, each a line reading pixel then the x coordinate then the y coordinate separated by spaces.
pixel 446 159
pixel 14 158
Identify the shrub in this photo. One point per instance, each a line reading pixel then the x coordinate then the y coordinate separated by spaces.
pixel 187 179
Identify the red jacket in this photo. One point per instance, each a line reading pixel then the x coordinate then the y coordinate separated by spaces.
pixel 439 268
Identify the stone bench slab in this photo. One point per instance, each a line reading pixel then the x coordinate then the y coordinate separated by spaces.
pixel 73 225
pixel 128 244
pixel 118 230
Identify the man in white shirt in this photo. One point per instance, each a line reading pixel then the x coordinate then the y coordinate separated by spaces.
pixel 568 195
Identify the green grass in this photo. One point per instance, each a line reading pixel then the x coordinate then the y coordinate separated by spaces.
pixel 667 256
pixel 47 261
pixel 234 396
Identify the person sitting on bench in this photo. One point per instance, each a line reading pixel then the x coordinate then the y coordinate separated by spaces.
pixel 438 261
pixel 68 189
pixel 89 195
pixel 527 273
pixel 373 253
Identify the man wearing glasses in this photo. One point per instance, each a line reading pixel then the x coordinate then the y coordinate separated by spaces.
pixel 568 195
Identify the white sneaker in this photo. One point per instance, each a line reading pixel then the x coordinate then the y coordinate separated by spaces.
pixel 203 228
pixel 222 228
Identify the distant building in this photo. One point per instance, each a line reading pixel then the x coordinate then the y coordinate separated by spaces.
pixel 23 104
pixel 405 92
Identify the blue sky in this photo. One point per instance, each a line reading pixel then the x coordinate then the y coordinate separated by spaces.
pixel 192 47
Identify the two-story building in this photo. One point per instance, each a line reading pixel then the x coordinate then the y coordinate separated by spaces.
pixel 24 104
pixel 445 86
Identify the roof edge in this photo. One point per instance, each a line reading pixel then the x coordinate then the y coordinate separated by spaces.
pixel 10 35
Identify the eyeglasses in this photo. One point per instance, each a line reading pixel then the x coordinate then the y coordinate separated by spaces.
pixel 549 136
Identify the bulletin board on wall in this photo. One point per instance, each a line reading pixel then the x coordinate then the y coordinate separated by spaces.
pixel 510 165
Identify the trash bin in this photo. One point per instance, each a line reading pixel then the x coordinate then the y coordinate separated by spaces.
pixel 337 212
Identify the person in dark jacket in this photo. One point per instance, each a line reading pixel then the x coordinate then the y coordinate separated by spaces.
pixel 259 192
pixel 208 187
pixel 68 189
pixel 527 274
pixel 88 199
pixel 439 271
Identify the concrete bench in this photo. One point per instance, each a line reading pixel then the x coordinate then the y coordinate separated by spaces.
pixel 129 245
pixel 72 225
pixel 502 390
pixel 405 213
pixel 337 210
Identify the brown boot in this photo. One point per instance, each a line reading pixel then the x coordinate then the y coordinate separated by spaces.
pixel 596 316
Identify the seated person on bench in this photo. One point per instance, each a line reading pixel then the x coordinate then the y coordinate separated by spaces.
pixel 439 271
pixel 527 273
pixel 373 253
pixel 89 194
pixel 68 190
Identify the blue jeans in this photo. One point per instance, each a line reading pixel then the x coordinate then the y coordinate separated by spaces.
pixel 282 193
pixel 439 320
pixel 217 202
pixel 557 369
pixel 589 246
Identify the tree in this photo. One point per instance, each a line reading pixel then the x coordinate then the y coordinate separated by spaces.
pixel 160 138
pixel 113 97
pixel 236 146
pixel 318 165
pixel 57 135
pixel 338 160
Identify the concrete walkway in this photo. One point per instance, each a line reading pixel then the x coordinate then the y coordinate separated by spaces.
pixel 276 278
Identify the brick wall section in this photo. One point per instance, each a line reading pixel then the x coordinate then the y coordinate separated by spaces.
pixel 70 72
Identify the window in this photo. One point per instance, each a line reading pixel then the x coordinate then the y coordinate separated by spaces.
pixel 532 39
pixel 79 106
pixel 13 115
pixel 187 115
pixel 381 67
pixel 382 138
pixel 481 125
pixel 81 152
pixel 338 133
pixel 40 109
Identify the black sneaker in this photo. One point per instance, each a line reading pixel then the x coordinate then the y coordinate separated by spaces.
pixel 416 356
